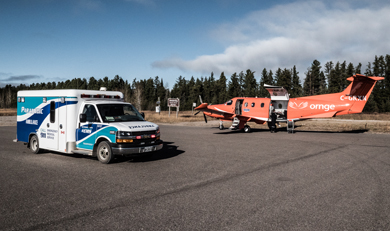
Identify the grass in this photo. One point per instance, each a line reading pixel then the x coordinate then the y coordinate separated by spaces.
pixel 182 117
pixel 7 111
pixel 370 122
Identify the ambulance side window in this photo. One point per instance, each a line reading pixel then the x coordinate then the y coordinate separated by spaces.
pixel 90 112
pixel 52 112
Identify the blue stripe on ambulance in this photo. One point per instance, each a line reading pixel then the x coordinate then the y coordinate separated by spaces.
pixel 88 140
pixel 33 123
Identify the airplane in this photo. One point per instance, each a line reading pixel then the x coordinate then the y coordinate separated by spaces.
pixel 242 110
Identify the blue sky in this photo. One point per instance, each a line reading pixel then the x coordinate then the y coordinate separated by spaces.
pixel 53 40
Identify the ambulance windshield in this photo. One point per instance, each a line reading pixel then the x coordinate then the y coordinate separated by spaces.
pixel 119 113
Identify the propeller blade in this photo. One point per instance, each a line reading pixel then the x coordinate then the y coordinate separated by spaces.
pixel 205 119
pixel 197 113
pixel 200 98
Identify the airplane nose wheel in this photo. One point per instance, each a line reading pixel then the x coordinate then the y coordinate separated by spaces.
pixel 247 129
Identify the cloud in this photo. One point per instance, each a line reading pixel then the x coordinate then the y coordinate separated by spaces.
pixel 21 78
pixel 88 5
pixel 295 34
pixel 143 2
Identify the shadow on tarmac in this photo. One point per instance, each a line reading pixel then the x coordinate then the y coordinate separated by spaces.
pixel 284 129
pixel 168 151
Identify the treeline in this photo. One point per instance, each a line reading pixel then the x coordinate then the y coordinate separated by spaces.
pixel 144 94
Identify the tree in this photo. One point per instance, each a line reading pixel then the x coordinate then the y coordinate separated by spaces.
pixel 263 80
pixel 221 88
pixel 296 88
pixel 249 84
pixel 234 86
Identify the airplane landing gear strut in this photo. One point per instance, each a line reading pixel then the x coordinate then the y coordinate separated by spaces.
pixel 221 127
pixel 290 126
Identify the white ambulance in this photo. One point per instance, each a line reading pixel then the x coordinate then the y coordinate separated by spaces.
pixel 96 123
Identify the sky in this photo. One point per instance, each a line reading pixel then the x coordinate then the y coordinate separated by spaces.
pixel 57 40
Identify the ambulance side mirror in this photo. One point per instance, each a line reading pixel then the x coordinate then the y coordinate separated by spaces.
pixel 143 115
pixel 83 118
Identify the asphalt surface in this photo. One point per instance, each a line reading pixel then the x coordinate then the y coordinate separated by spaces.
pixel 204 179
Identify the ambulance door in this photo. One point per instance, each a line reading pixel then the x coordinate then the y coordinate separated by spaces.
pixel 85 134
pixel 52 126
pixel 62 112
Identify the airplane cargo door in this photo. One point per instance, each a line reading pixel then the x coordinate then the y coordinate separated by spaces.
pixel 239 106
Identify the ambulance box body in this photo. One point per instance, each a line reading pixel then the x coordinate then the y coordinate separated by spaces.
pixel 96 123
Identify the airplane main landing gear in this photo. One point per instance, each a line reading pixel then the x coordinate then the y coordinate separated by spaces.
pixel 290 127
pixel 247 129
pixel 221 127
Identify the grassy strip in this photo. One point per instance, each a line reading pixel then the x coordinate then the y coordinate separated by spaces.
pixel 365 122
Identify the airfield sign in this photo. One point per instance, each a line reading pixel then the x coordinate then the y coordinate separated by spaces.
pixel 173 102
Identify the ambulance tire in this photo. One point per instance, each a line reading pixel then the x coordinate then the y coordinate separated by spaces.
pixel 34 144
pixel 104 153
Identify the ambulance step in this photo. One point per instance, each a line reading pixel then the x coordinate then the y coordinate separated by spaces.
pixel 82 152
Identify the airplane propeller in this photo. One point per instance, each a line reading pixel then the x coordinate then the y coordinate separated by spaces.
pixel 204 116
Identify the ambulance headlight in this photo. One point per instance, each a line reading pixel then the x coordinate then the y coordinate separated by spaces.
pixel 120 133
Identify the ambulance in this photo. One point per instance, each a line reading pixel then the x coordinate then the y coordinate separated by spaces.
pixel 89 122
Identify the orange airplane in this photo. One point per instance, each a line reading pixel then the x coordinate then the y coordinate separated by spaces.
pixel 242 110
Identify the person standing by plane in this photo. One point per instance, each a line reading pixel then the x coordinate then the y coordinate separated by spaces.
pixel 273 121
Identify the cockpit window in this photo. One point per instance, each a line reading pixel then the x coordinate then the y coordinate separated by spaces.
pixel 119 113
pixel 229 102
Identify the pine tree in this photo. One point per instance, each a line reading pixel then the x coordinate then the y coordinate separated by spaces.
pixel 250 84
pixel 296 90
pixel 221 86
pixel 233 87
pixel 241 84
pixel 263 80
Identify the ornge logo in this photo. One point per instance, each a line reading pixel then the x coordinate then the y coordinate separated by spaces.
pixel 324 107
pixel 301 105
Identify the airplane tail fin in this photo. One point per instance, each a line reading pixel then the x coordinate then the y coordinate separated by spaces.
pixel 359 91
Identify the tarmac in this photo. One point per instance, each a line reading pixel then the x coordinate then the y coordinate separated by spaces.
pixel 204 179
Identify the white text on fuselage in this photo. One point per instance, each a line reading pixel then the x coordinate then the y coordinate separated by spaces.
pixel 353 98
pixel 325 107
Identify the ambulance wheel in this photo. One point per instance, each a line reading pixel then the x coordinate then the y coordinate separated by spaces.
pixel 104 152
pixel 34 144
pixel 247 129
pixel 221 127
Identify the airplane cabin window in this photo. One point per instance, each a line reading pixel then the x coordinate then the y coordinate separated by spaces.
pixel 262 104
pixel 229 102
pixel 253 104
pixel 246 104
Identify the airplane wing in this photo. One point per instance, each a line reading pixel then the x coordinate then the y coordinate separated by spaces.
pixel 216 112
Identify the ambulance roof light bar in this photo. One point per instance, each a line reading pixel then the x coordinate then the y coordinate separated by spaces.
pixel 98 96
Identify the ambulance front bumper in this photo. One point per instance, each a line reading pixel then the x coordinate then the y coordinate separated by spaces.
pixel 123 149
